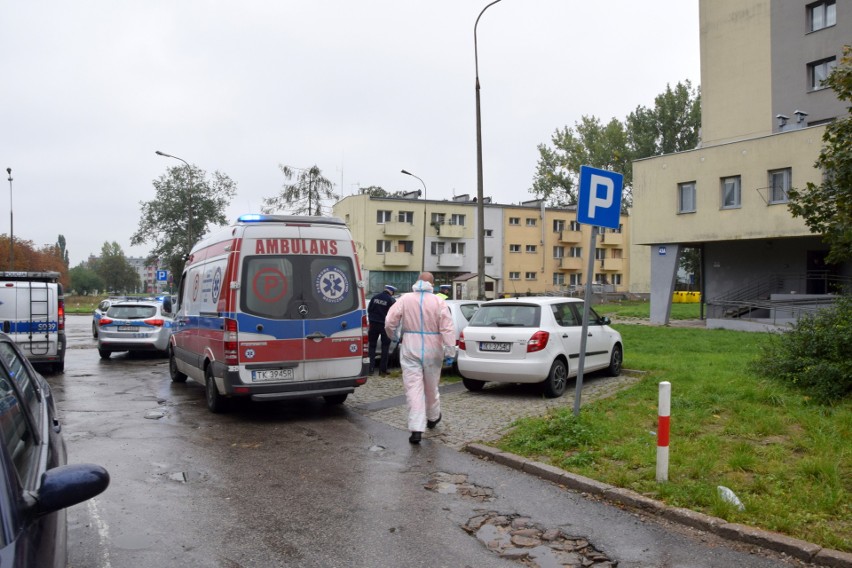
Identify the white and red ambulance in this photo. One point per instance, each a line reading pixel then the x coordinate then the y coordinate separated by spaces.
pixel 272 308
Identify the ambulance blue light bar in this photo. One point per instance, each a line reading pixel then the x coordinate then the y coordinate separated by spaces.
pixel 298 220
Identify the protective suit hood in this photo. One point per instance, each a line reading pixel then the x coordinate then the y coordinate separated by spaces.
pixel 422 286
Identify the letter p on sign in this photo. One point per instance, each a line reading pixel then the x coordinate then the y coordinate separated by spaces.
pixel 599 201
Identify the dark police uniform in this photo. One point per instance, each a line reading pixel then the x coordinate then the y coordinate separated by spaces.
pixel 376 312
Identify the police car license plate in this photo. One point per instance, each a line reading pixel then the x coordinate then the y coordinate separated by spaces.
pixel 128 328
pixel 492 346
pixel 273 375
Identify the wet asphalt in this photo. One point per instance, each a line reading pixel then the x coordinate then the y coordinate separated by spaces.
pixel 306 484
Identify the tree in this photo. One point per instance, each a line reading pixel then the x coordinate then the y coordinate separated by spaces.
pixel 28 258
pixel 305 196
pixel 63 252
pixel 671 126
pixel 182 194
pixel 114 270
pixel 84 280
pixel 827 207
pixel 373 191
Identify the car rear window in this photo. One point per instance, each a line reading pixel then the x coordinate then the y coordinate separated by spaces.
pixel 507 315
pixel 132 312
pixel 468 310
pixel 299 286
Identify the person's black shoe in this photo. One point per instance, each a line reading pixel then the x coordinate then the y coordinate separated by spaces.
pixel 432 423
pixel 415 437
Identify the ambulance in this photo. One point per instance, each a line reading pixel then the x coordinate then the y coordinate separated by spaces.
pixel 32 313
pixel 272 308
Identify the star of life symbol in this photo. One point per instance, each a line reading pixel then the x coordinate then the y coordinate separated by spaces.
pixel 332 285
pixel 249 353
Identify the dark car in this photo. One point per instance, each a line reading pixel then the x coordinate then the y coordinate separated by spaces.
pixel 35 484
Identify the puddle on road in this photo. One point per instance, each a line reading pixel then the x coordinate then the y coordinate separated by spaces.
pixel 457 484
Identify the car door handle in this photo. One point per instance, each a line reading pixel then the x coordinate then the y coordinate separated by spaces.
pixel 316 335
pixel 564 335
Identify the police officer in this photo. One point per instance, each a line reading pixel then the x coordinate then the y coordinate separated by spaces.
pixel 376 312
pixel 444 292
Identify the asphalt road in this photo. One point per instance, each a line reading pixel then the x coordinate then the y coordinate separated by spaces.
pixel 305 484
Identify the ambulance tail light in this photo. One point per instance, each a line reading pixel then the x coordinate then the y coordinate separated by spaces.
pixel 365 341
pixel 60 313
pixel 231 351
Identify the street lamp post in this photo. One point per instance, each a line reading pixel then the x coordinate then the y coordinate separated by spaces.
pixel 11 225
pixel 480 205
pixel 188 199
pixel 423 260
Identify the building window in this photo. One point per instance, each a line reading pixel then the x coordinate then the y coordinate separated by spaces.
pixel 576 279
pixel 575 226
pixel 616 253
pixel 686 197
pixel 818 71
pixel 383 246
pixel 489 260
pixel 457 248
pixel 575 252
pixel 731 198
pixel 514 276
pixel 489 232
pixel 779 185
pixel 558 252
pixel 383 217
pixel 822 15
pixel 529 275
pixel 558 279
pixel 558 225
pixel 600 254
pixel 437 247
pixel 600 279
pixel 531 249
pixel 406 246
pixel 616 279
pixel 457 219
pixel 438 218
pixel 530 222
pixel 514 220
pixel 514 248
pixel 406 217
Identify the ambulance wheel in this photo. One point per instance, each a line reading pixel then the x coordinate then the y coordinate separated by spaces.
pixel 335 398
pixel 59 367
pixel 216 403
pixel 104 353
pixel 473 385
pixel 174 373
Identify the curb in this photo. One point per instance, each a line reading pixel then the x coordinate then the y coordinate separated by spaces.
pixel 799 549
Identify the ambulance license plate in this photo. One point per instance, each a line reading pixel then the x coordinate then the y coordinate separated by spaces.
pixel 273 375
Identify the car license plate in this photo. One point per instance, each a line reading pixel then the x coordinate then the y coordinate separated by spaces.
pixel 128 328
pixel 492 346
pixel 273 375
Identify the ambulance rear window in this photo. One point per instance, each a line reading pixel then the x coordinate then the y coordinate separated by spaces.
pixel 298 286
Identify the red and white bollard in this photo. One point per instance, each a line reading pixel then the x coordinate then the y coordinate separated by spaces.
pixel 663 424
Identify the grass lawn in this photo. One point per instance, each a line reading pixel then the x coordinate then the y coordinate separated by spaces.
pixel 642 310
pixel 786 458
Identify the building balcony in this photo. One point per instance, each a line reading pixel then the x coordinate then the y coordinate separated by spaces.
pixel 397 259
pixel 612 264
pixel 611 239
pixel 449 231
pixel 569 263
pixel 449 259
pixel 398 229
pixel 569 236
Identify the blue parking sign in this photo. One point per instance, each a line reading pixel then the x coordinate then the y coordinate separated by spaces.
pixel 162 275
pixel 599 200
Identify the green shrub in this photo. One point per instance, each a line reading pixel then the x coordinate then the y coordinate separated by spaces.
pixel 814 355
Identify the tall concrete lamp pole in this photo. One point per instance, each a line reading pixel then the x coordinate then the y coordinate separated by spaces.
pixel 423 260
pixel 11 225
pixel 188 199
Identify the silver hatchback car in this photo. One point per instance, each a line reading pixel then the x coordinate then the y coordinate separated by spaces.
pixel 134 326
pixel 535 340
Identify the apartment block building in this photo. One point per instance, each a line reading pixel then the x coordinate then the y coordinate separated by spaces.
pixel 529 248
pixel 764 110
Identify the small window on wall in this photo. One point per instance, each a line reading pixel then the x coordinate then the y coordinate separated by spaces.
pixel 514 276
pixel 558 278
pixel 575 226
pixel 514 248
pixel 686 197
pixel 558 225
pixel 406 217
pixel 530 275
pixel 822 15
pixel 489 232
pixel 406 246
pixel 531 249
pixel 514 220
pixel 731 195
pixel 576 279
pixel 818 71
pixel 779 185
pixel 489 260
pixel 530 222
pixel 383 246
pixel 383 217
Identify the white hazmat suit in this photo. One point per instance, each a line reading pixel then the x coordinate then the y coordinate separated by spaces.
pixel 423 321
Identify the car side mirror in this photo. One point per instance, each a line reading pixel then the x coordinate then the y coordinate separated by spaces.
pixel 68 485
pixel 604 320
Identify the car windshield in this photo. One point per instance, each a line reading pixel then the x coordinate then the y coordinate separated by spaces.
pixel 506 315
pixel 132 312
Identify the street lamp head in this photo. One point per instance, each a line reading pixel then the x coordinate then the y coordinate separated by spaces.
pixel 9 171
pixel 406 172
pixel 161 153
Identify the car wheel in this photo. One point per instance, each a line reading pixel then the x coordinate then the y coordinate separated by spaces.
pixel 104 353
pixel 94 330
pixel 557 380
pixel 216 403
pixel 615 361
pixel 335 398
pixel 59 367
pixel 473 385
pixel 174 373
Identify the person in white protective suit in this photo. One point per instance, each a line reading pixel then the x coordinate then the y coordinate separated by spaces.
pixel 423 321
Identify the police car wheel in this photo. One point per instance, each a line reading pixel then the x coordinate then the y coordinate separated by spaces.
pixel 335 398
pixel 94 330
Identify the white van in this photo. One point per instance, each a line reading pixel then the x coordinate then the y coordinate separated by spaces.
pixel 272 308
pixel 32 312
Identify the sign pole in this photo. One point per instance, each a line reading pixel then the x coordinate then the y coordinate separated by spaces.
pixel 578 388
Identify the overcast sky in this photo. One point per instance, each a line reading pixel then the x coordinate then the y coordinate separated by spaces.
pixel 90 89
